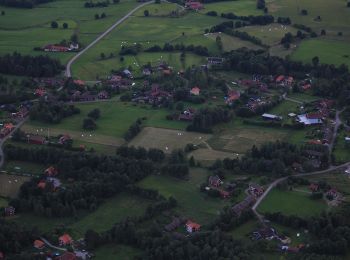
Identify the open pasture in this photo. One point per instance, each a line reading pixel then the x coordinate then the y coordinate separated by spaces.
pixel 238 7
pixel 113 251
pixel 166 139
pixel 24 167
pixel 10 184
pixel 210 155
pixel 230 43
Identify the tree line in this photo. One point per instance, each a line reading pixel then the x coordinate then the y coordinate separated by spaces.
pixel 27 65
pixel 199 50
pixel 23 3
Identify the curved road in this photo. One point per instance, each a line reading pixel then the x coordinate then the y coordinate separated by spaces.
pixel 72 60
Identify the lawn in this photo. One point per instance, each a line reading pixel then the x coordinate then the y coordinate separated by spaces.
pixel 24 167
pixel 10 184
pixel 140 29
pixel 243 232
pixel 3 202
pixel 238 7
pixel 33 29
pixel 116 118
pixel 303 97
pixel 284 108
pixel 191 202
pixel 342 149
pixel 162 9
pixel 113 210
pixel 328 51
pixel 118 252
pixel 291 203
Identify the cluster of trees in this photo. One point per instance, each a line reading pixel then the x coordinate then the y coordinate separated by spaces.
pixel 244 36
pixel 140 153
pixel 23 3
pixel 48 112
pixel 91 4
pixel 331 230
pixel 103 15
pixel 33 66
pixel 131 50
pixel 133 130
pixel 260 4
pixel 54 25
pixel 250 19
pixel 205 118
pixel 259 62
pixel 95 178
pixel 199 50
pixel 284 20
pixel 14 238
pixel 177 165
pixel 89 122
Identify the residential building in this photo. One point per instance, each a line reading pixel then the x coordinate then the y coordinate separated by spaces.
pixel 38 244
pixel 195 91
pixel 271 117
pixel 36 139
pixel 192 5
pixel 9 211
pixel 65 240
pixel 215 181
pixel 103 95
pixel 192 226
pixel 51 171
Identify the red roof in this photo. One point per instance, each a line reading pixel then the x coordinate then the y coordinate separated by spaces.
pixel 39 244
pixel 313 116
pixel 279 78
pixel 306 87
pixel 51 171
pixel 9 126
pixel 195 91
pixel 193 225
pixel 194 5
pixel 65 239
pixel 52 47
pixel 79 82
pixel 42 184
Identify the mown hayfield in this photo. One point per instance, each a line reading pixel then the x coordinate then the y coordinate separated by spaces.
pixel 232 43
pixel 328 51
pixel 10 184
pixel 140 29
pixel 210 155
pixel 162 9
pixel 292 203
pixel 33 27
pixel 116 118
pixel 191 202
pixel 239 7
pixel 166 139
pixel 24 167
pixel 119 252
pixel 269 34
pixel 342 149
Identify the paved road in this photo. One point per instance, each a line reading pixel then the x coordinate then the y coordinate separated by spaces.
pixel 293 100
pixel 72 60
pixel 335 131
pixel 2 141
pixel 51 245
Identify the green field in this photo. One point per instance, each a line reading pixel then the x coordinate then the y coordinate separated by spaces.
pixel 116 118
pixel 191 202
pixel 33 27
pixel 291 203
pixel 113 210
pixel 341 148
pixel 24 167
pixel 238 7
pixel 117 252
pixel 3 202
pixel 328 51
pixel 284 108
pixel 303 97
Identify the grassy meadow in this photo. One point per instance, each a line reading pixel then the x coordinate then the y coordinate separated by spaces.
pixel 24 167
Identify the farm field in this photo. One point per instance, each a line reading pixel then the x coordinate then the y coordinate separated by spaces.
pixel 166 139
pixel 328 51
pixel 141 30
pixel 191 202
pixel 24 167
pixel 292 203
pixel 119 252
pixel 303 97
pixel 116 118
pixel 10 184
pixel 34 29
pixel 210 155
pixel 108 213
pixel 239 7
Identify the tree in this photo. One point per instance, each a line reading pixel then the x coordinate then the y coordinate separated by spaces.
pixel 95 113
pixel 89 124
pixel 121 58
pixel 323 32
pixel 146 13
pixel 260 4
pixel 97 16
pixel 304 12
pixel 315 61
pixel 157 1
pixel 65 25
pixel 102 55
pixel 103 15
pixel 74 38
pixel 348 4
pixel 219 43
pixel 54 24
pixel 180 106
pixel 2 12
pixel 116 1
pixel 340 33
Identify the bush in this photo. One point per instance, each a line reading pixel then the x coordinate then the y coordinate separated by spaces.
pixel 89 124
pixel 54 24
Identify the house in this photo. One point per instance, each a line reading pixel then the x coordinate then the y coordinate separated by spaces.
pixel 255 190
pixel 86 96
pixel 314 187
pixel 192 5
pixel 66 256
pixel 79 82
pixel 38 244
pixel 187 115
pixel 36 139
pixel 103 95
pixel 224 194
pixel 332 194
pixel 306 87
pixel 267 233
pixel 9 211
pixel 51 171
pixel 279 79
pixel 215 60
pixel 42 185
pixel 65 240
pixel 8 127
pixel 243 205
pixel 146 72
pixel 309 119
pixel 195 91
pixel 215 181
pixel 232 96
pixel 127 73
pixel 74 46
pixel 316 142
pixel 271 117
pixel 192 226
pixel 55 48
pixel 64 138
pixel 40 92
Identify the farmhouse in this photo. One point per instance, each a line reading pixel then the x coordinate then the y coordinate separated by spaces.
pixel 193 5
pixel 215 181
pixel 6 130
pixel 51 171
pixel 255 190
pixel 65 240
pixel 56 48
pixel 9 211
pixel 192 226
pixel 38 244
pixel 271 117
pixel 310 119
pixel 195 91
pixel 36 139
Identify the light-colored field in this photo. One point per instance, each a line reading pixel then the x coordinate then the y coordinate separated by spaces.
pixel 10 184
pixel 162 9
pixel 328 51
pixel 232 43
pixel 24 167
pixel 292 203
pixel 166 139
pixel 209 155
pixel 269 34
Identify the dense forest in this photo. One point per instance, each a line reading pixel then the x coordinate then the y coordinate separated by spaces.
pixel 50 112
pixel 23 3
pixel 26 65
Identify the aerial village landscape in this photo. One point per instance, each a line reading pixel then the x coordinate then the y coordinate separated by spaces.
pixel 177 129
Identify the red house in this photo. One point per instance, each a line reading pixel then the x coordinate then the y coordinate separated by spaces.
pixel 215 181
pixel 192 226
pixel 194 5
pixel 51 171
pixel 40 92
pixel 314 187
pixel 279 79
pixel 65 240
pixel 6 130
pixel 195 91
pixel 38 244
pixel 37 139
pixel 55 48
